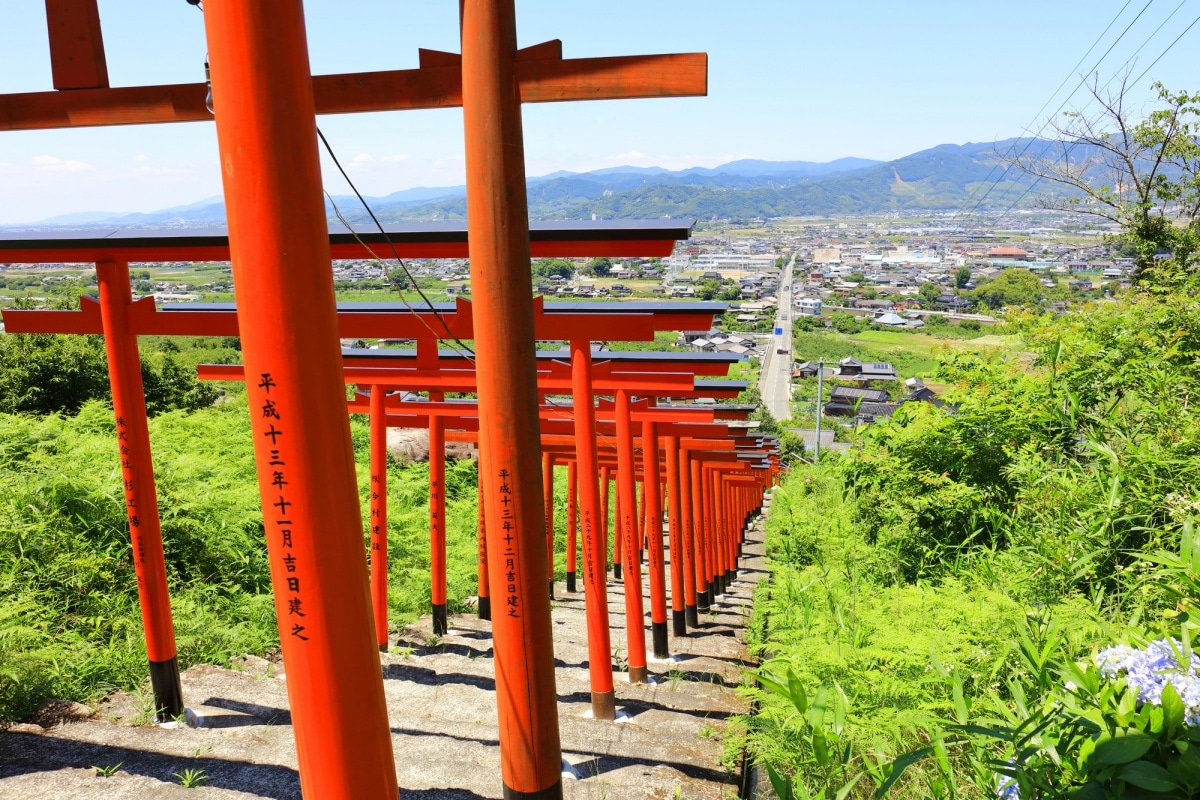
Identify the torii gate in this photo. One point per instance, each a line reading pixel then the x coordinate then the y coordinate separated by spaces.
pixel 554 376
pixel 121 320
pixel 266 105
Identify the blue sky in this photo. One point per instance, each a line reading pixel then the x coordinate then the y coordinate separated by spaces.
pixel 792 80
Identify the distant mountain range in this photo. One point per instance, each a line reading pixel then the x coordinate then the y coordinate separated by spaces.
pixel 942 177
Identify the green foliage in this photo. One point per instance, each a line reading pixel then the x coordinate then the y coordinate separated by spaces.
pixel 1015 286
pixel 599 267
pixel 69 624
pixel 191 778
pixel 962 276
pixel 43 374
pixel 953 569
pixel 929 292
pixel 848 323
pixel 550 267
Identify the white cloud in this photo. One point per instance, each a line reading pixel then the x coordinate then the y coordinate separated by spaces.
pixel 398 157
pixel 55 164
pixel 141 157
pixel 360 161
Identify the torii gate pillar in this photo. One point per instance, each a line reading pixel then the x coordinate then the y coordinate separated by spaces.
pixel 287 318
pixel 509 433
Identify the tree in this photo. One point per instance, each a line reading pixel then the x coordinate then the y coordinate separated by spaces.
pixel 962 276
pixel 1142 174
pixel 599 267
pixel 549 267
pixel 848 323
pixel 47 374
pixel 929 292
pixel 1014 286
pixel 857 277
pixel 806 322
pixel 399 278
pixel 707 290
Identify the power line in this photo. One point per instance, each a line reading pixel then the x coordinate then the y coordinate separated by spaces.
pixel 1038 179
pixel 1037 115
pixel 1062 105
pixel 1164 52
pixel 392 245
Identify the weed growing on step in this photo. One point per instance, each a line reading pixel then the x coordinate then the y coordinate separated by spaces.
pixel 191 778
pixel 109 771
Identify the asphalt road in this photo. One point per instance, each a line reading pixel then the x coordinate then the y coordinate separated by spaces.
pixel 776 380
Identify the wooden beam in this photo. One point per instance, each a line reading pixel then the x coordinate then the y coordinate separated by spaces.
pixel 76 45
pixel 543 80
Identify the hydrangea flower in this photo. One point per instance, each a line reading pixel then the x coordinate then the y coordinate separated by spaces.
pixel 1008 789
pixel 1148 671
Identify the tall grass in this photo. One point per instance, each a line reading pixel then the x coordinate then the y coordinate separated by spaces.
pixel 69 620
pixel 933 571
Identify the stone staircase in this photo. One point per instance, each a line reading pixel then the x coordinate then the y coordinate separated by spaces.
pixel 441 706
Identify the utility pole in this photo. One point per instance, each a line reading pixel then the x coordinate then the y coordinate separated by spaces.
pixel 820 386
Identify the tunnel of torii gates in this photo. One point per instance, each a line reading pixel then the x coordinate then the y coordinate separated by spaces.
pixel 727 493
pixel 266 100
pixel 632 372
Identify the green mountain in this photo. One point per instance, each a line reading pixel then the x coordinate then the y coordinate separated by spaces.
pixel 942 177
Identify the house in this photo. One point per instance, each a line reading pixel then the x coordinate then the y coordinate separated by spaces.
pixel 845 399
pixel 808 369
pixel 950 302
pixel 851 369
pixel 1009 254
pixel 809 305
pixel 890 319
pixel 869 412
pixel 687 337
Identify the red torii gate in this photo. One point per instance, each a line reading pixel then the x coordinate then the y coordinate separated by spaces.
pixel 121 320
pixel 267 142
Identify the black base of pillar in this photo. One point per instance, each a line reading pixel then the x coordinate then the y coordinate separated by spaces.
pixel 617 571
pixel 571 582
pixel 551 590
pixel 439 619
pixel 678 624
pixel 551 793
pixel 383 648
pixel 704 599
pixel 730 577
pixel 639 675
pixel 485 608
pixel 659 631
pixel 691 617
pixel 168 694
pixel 604 705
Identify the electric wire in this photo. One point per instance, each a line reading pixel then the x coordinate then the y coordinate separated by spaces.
pixel 1053 94
pixel 1082 81
pixel 391 244
pixel 1072 146
pixel 396 253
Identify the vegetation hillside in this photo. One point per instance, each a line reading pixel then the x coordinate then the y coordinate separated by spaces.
pixel 940 588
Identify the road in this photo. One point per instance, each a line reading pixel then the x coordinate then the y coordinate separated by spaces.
pixel 775 383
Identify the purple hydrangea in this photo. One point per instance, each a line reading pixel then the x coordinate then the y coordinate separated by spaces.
pixel 1148 671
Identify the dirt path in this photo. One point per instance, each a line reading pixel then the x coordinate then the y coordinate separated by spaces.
pixel 442 710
